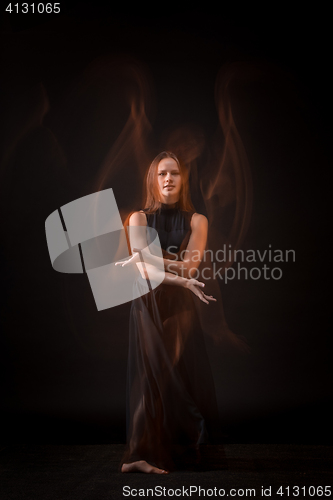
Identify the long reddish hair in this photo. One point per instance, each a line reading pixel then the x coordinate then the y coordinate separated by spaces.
pixel 151 200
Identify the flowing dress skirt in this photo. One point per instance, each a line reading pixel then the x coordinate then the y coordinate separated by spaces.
pixel 171 402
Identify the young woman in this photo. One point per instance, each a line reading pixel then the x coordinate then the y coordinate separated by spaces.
pixel 171 402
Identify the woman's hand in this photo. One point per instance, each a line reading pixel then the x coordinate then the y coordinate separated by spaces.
pixel 132 260
pixel 197 288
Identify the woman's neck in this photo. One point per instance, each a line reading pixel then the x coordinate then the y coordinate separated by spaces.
pixel 169 206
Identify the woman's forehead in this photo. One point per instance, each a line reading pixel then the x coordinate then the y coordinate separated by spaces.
pixel 168 163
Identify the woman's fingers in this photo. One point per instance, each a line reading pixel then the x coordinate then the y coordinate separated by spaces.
pixel 210 297
pixel 197 283
pixel 201 297
pixel 205 298
pixel 197 288
pixel 123 263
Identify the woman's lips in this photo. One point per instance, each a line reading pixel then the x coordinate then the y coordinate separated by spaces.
pixel 169 187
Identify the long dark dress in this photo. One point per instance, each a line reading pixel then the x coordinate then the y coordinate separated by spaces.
pixel 171 402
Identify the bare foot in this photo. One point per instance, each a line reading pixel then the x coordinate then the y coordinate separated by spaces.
pixel 142 466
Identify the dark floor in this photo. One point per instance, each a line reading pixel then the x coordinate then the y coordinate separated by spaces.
pixel 67 472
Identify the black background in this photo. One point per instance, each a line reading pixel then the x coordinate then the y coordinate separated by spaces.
pixel 63 364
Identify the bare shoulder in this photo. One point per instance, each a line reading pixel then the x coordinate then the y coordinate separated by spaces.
pixel 138 219
pixel 199 221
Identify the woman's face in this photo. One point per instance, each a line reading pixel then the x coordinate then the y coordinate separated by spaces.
pixel 169 180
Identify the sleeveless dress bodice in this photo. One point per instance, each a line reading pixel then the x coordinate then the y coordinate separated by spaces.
pixel 173 227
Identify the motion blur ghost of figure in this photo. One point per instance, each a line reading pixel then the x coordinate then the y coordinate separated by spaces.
pixel 171 402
